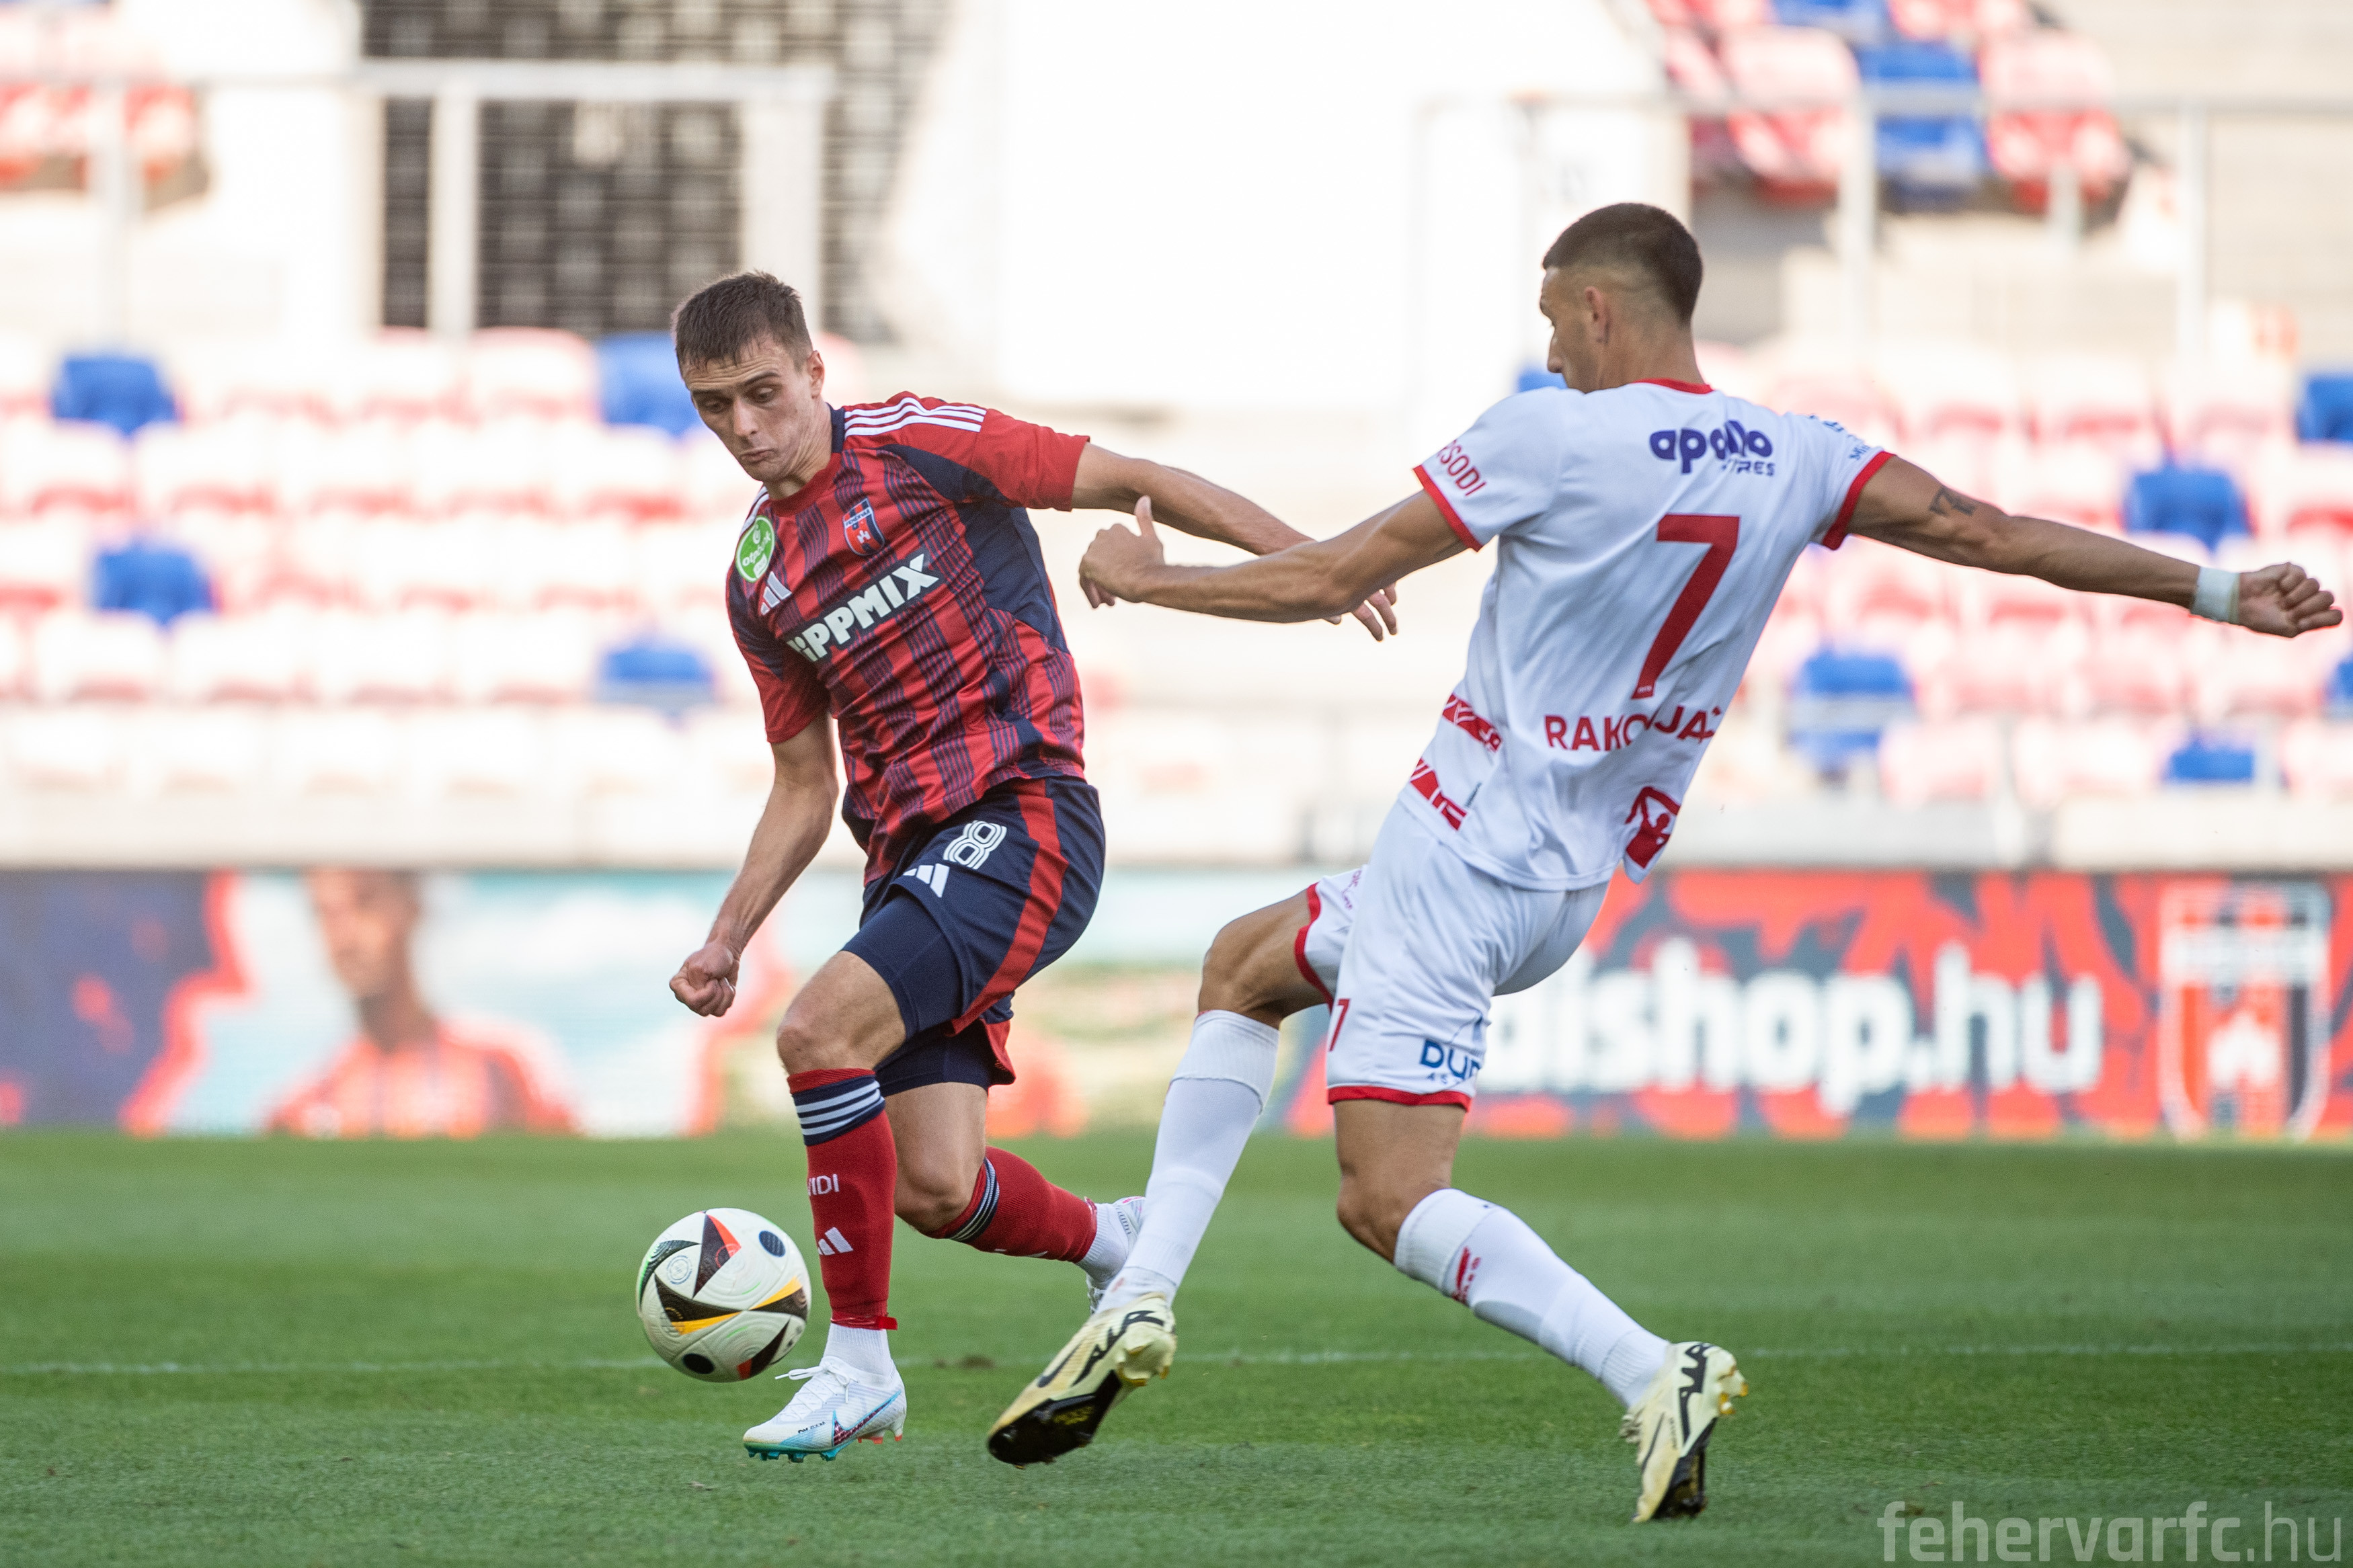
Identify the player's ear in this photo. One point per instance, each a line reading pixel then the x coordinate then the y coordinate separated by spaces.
pixel 813 365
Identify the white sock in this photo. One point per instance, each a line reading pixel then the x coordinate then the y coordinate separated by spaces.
pixel 1214 1099
pixel 1487 1258
pixel 866 1352
pixel 1112 1245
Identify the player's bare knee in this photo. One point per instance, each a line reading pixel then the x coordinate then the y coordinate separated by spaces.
pixel 930 1201
pixel 1369 1213
pixel 803 1047
pixel 1250 969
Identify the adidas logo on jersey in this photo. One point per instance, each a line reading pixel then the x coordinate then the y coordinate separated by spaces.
pixel 1730 442
pixel 897 588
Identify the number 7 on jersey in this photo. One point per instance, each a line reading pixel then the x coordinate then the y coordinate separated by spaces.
pixel 1722 537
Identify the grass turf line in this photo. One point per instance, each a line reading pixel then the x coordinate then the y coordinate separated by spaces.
pixel 2033 1332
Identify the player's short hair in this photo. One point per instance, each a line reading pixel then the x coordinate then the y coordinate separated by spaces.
pixel 720 320
pixel 1635 238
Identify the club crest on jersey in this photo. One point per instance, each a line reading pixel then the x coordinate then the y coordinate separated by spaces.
pixel 861 529
pixel 753 549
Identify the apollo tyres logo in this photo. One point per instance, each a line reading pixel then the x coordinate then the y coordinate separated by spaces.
pixel 899 585
pixel 1747 451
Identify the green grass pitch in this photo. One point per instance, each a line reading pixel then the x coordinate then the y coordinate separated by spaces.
pixel 283 1352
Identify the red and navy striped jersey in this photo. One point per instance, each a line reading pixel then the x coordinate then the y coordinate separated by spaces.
pixel 902 590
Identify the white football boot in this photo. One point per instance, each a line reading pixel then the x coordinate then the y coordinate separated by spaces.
pixel 838 1406
pixel 1670 1423
pixel 1129 1212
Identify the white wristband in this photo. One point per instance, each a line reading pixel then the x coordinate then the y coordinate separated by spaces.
pixel 2217 598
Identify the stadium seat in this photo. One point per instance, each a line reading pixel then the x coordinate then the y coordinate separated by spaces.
pixel 152 577
pixel 382 658
pixel 225 466
pixel 1731 16
pixel 1841 701
pixel 2196 503
pixel 2097 400
pixel 2324 412
pixel 501 467
pixel 275 382
pixel 2025 145
pixel 621 751
pixel 1795 153
pixel 1859 22
pixel 1950 393
pixel 1837 391
pixel 125 391
pixel 626 471
pixel 16 660
pixel 683 566
pixel 1985 599
pixel 1932 21
pixel 239 551
pixel 2211 759
pixel 2226 417
pixel 728 752
pixel 2247 677
pixel 1959 759
pixel 530 372
pixel 78 749
pixel 80 656
pixel 333 750
pixel 2012 666
pixel 654 672
pixel 2052 760
pixel 364 467
pixel 402 375
pixel 1933 161
pixel 402 562
pixel 713 485
pixel 540 564
pixel 75 464
pixel 2137 668
pixel 221 750
pixel 1865 581
pixel 27 370
pixel 477 751
pixel 637 381
pixel 1674 13
pixel 505 657
pixel 1790 636
pixel 44 562
pixel 240 658
pixel 1692 67
pixel 2316 759
pixel 2302 489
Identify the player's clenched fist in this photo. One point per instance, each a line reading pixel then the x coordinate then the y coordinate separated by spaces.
pixel 2286 602
pixel 1114 566
pixel 706 981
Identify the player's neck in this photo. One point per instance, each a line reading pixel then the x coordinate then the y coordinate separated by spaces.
pixel 1666 357
pixel 397 1016
pixel 808 462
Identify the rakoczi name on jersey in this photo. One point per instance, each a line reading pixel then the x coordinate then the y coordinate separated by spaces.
pixel 1614 732
pixel 1746 451
pixel 900 587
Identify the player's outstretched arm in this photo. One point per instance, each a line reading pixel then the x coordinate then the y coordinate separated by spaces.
pixel 792 825
pixel 1904 505
pixel 1307 582
pixel 1191 504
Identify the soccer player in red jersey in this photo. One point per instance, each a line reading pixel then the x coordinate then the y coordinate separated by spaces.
pixel 887 582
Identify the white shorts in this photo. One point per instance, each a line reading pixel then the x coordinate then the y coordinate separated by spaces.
pixel 1410 951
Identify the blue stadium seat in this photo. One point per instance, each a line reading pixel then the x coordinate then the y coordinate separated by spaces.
pixel 125 391
pixel 1536 378
pixel 2325 413
pixel 2340 697
pixel 2211 759
pixel 160 581
pixel 2203 504
pixel 1930 161
pixel 654 672
pixel 1840 701
pixel 637 382
pixel 1856 21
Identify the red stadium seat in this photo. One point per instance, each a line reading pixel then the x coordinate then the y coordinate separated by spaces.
pixel 227 659
pixel 2102 401
pixel 1951 393
pixel 102 656
pixel 337 752
pixel 1932 21
pixel 402 375
pixel 1997 598
pixel 2054 760
pixel 1692 66
pixel 364 467
pixel 2137 668
pixel 1731 16
pixel 2077 482
pixel 2301 489
pixel 1865 579
pixel 530 372
pixel 69 463
pixel 2245 677
pixel 2026 144
pixel 1956 759
pixel 405 564
pixel 223 467
pixel 1832 389
pixel 2008 668
pixel 44 562
pixel 1795 153
pixel 2227 417
pixel 278 382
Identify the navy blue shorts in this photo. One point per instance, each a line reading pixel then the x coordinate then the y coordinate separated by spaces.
pixel 998 893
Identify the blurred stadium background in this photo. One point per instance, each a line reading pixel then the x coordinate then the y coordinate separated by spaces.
pixel 352 516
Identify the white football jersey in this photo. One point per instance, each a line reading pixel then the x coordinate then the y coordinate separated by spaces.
pixel 1645 533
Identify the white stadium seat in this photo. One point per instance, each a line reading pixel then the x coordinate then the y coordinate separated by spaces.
pixel 44 562
pixel 77 748
pixel 401 657
pixel 259 658
pixel 1956 759
pixel 68 463
pixel 477 752
pixel 105 656
pixel 629 750
pixel 223 750
pixel 530 372
pixel 2054 760
pixel 505 657
pixel 351 751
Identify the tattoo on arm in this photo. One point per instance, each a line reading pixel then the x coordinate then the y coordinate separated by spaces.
pixel 1947 503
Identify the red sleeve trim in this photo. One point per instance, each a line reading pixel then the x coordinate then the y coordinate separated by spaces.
pixel 1299 944
pixel 1837 535
pixel 1446 507
pixel 1397 1095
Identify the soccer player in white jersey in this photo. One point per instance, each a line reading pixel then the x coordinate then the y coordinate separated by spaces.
pixel 1644 524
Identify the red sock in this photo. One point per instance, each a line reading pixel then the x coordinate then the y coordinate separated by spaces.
pixel 1015 1210
pixel 853 1166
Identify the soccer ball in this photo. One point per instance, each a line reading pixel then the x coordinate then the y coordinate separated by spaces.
pixel 721 1294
